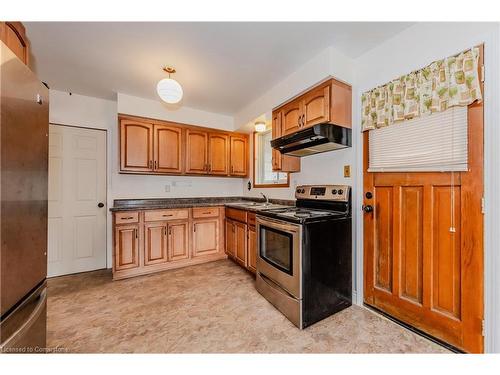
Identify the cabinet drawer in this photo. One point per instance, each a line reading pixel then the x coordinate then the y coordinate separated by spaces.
pixel 251 218
pixel 158 215
pixel 235 214
pixel 201 212
pixel 127 217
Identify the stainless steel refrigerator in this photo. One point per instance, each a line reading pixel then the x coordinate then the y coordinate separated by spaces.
pixel 24 123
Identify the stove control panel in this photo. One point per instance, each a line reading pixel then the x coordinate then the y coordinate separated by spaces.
pixel 323 192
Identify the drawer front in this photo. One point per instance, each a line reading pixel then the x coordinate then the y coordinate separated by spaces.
pixel 201 212
pixel 251 218
pixel 160 215
pixel 126 217
pixel 235 214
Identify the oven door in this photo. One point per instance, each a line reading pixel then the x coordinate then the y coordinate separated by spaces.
pixel 279 249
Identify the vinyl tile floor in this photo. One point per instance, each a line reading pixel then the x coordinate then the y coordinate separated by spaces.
pixel 208 308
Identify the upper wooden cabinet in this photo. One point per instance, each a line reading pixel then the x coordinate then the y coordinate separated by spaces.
pixel 328 102
pixel 167 149
pixel 282 163
pixel 136 146
pixel 13 34
pixel 238 156
pixel 196 151
pixel 160 147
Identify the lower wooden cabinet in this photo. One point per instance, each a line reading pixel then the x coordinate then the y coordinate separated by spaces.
pixel 206 237
pixel 252 249
pixel 230 238
pixel 158 240
pixel 126 247
pixel 240 235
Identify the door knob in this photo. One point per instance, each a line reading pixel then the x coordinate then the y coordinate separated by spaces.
pixel 100 205
pixel 368 208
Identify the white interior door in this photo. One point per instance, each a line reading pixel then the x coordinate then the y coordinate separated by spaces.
pixel 77 184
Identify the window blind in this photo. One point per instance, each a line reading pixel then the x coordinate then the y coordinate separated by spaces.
pixel 437 142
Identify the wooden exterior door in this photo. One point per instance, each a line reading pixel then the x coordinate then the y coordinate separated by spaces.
pixel 205 237
pixel 316 106
pixel 230 238
pixel 239 163
pixel 167 149
pixel 240 239
pixel 126 247
pixel 155 243
pixel 291 117
pixel 252 249
pixel 417 268
pixel 178 241
pixel 218 154
pixel 196 152
pixel 136 143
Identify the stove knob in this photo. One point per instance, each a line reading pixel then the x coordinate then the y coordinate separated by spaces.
pixel 298 190
pixel 341 191
pixel 303 191
pixel 334 191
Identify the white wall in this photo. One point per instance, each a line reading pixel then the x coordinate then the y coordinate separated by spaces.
pixel 414 48
pixel 84 111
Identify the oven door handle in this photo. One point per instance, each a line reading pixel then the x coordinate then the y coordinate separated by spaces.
pixel 290 228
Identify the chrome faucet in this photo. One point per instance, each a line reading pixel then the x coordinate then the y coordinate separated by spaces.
pixel 265 197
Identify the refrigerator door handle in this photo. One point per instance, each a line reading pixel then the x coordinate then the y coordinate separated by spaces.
pixel 11 340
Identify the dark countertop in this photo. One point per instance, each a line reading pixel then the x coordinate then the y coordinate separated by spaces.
pixel 163 203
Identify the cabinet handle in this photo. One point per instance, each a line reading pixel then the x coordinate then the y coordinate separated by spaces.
pixel 165 231
pixel 151 164
pixel 303 120
pixel 167 215
pixel 127 218
pixel 156 165
pixel 135 231
pixel 194 228
pixel 232 168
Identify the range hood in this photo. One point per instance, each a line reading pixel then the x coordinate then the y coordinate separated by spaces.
pixel 313 140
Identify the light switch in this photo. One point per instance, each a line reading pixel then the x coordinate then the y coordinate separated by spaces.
pixel 167 188
pixel 347 171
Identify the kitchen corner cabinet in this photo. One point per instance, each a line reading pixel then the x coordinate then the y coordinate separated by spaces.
pixel 160 147
pixel 148 241
pixel 282 163
pixel 13 34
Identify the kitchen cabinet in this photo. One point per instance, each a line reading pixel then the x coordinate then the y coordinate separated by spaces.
pixel 205 237
pixel 282 163
pixel 327 102
pixel 126 247
pixel 218 154
pixel 238 156
pixel 230 238
pixel 252 249
pixel 155 243
pixel 196 152
pixel 147 241
pixel 178 240
pixel 13 34
pixel 167 146
pixel 240 240
pixel 136 145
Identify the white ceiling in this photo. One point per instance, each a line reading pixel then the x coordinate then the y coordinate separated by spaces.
pixel 221 66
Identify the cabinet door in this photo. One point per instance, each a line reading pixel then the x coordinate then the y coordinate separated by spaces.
pixel 126 247
pixel 316 106
pixel 291 117
pixel 13 34
pixel 239 164
pixel 283 163
pixel 178 241
pixel 196 152
pixel 155 243
pixel 218 154
pixel 240 239
pixel 230 238
pixel 205 237
pixel 136 146
pixel 167 149
pixel 252 249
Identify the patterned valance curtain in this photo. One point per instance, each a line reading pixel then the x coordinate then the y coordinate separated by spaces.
pixel 453 81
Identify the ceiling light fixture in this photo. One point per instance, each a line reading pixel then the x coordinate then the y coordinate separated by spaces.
pixel 260 126
pixel 169 89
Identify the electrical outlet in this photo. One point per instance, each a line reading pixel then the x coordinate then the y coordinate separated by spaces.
pixel 347 171
pixel 167 188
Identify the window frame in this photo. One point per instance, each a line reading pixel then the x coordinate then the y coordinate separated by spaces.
pixel 254 183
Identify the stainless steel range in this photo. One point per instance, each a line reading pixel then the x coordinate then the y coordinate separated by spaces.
pixel 304 263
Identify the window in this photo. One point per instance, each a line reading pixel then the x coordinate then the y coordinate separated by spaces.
pixel 263 163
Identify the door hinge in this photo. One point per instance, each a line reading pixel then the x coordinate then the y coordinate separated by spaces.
pixel 482 73
pixel 483 329
pixel 482 205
